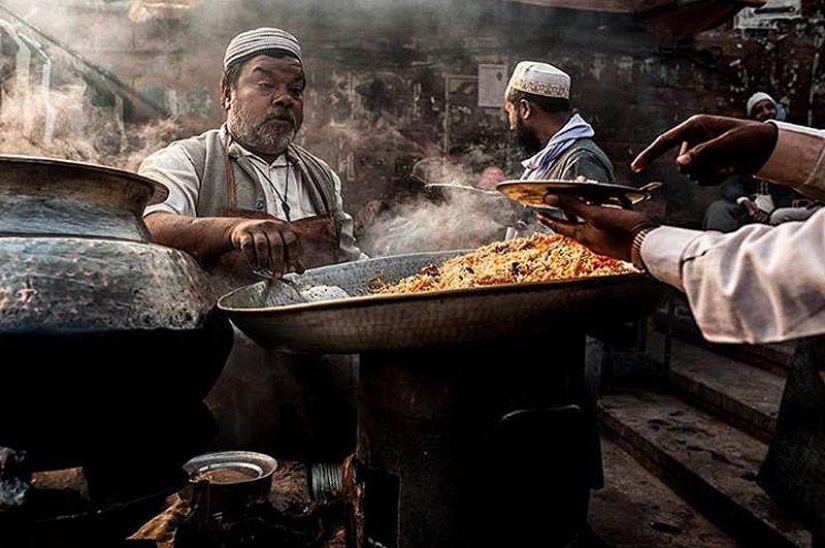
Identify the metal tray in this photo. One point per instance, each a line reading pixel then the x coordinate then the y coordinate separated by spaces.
pixel 531 193
pixel 366 323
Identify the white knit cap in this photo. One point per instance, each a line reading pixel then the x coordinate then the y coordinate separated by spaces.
pixel 258 40
pixel 539 79
pixel 758 97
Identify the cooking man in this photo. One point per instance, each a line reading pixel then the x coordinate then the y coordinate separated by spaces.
pixel 759 284
pixel 245 199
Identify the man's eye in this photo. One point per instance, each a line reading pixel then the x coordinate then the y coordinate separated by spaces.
pixel 296 90
pixel 265 86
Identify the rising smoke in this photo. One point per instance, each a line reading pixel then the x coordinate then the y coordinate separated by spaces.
pixel 81 131
pixel 48 109
pixel 66 121
pixel 450 212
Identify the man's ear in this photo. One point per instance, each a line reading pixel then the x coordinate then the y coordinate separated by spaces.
pixel 525 109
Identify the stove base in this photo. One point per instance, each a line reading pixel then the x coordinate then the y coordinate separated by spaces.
pixel 469 446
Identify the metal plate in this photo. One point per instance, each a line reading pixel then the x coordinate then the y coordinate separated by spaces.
pixel 531 193
pixel 366 322
pixel 251 466
pixel 250 477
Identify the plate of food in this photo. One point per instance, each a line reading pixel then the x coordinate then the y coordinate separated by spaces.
pixel 532 193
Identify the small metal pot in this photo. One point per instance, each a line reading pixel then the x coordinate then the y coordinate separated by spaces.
pixel 235 477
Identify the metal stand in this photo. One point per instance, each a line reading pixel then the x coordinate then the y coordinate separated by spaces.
pixel 465 446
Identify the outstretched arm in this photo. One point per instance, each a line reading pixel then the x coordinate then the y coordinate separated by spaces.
pixel 758 284
pixel 266 244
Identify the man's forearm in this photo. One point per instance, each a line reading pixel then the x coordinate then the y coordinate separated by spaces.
pixel 204 238
pixel 759 284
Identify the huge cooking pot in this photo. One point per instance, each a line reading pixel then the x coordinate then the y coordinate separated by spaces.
pixel 106 339
pixel 365 322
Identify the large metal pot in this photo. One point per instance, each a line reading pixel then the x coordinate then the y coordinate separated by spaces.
pixel 98 326
pixel 367 322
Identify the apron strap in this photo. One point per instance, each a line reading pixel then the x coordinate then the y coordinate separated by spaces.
pixel 317 194
pixel 231 195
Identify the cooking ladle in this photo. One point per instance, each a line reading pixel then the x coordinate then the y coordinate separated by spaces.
pixel 283 290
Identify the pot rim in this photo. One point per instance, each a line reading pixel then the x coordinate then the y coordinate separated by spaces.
pixel 159 192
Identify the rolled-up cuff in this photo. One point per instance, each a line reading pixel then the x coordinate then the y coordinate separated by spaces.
pixel 162 208
pixel 662 252
pixel 798 160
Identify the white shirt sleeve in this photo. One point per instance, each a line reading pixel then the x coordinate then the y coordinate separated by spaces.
pixel 798 160
pixel 173 168
pixel 759 284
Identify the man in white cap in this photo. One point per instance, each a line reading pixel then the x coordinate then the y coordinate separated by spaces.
pixel 744 199
pixel 245 200
pixel 762 107
pixel 559 145
pixel 558 142
pixel 245 190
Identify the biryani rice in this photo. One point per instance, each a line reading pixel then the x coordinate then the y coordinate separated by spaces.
pixel 540 258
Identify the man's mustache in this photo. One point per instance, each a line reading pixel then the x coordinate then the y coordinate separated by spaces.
pixel 282 116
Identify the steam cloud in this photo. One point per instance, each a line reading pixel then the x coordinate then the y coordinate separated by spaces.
pixel 454 216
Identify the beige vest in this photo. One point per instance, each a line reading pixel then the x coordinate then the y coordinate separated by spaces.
pixel 209 158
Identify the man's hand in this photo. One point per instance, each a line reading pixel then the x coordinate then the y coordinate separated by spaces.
pixel 267 244
pixel 714 147
pixel 606 231
pixel 754 213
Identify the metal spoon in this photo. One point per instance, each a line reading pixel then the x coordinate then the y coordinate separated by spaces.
pixel 282 290
pixel 650 187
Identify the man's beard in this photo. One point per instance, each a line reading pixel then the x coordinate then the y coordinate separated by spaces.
pixel 265 137
pixel 525 139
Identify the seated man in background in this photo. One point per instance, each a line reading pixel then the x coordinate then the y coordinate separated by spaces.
pixel 490 177
pixel 746 199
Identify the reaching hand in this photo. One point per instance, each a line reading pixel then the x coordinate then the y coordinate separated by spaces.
pixel 714 147
pixel 268 245
pixel 606 231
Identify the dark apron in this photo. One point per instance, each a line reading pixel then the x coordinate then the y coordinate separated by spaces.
pixel 317 234
pixel 793 473
pixel 290 406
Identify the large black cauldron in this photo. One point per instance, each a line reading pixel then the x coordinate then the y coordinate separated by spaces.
pixel 108 343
